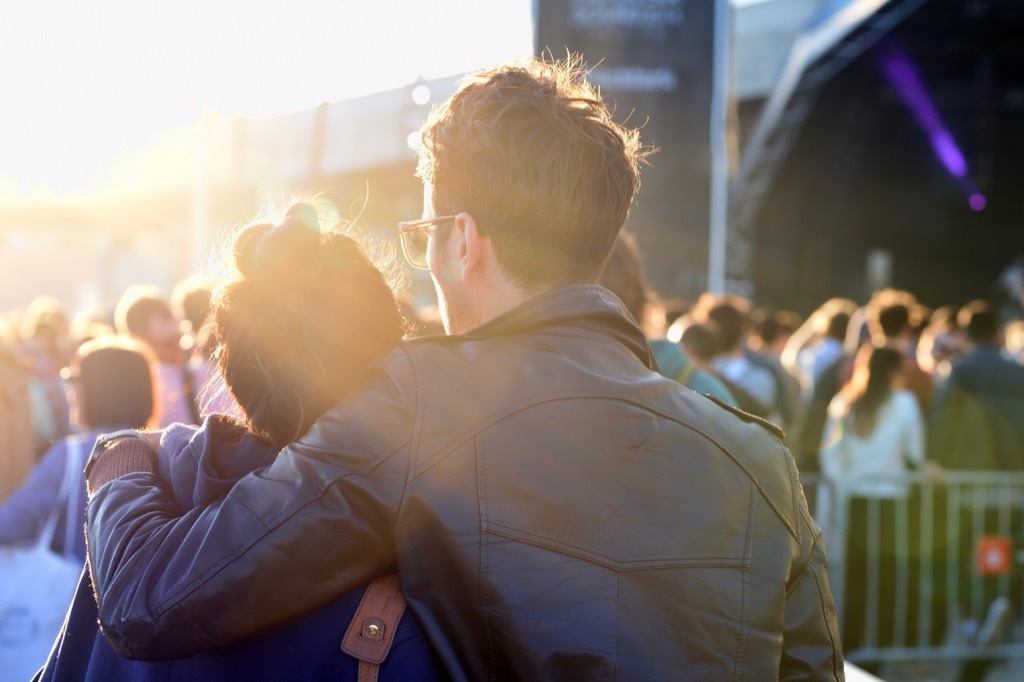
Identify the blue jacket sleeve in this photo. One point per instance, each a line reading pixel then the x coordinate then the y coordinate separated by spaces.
pixel 25 512
pixel 313 525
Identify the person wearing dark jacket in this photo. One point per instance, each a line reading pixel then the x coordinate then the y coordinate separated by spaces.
pixel 555 508
pixel 977 419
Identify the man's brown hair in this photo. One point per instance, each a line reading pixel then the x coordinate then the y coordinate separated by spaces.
pixel 532 153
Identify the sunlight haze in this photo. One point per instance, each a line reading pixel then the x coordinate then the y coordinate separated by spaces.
pixel 85 83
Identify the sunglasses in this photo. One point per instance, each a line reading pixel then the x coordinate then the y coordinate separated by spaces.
pixel 415 236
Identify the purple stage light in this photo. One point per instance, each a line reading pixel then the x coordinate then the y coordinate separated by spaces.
pixel 949 153
pixel 905 80
pixel 977 201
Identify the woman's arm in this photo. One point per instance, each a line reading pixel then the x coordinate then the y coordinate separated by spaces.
pixel 314 524
pixel 24 513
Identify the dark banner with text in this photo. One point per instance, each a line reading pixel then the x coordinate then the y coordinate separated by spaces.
pixel 653 59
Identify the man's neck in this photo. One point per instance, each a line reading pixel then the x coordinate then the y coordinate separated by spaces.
pixel 500 296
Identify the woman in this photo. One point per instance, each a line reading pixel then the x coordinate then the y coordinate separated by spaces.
pixel 111 388
pixel 874 435
pixel 305 316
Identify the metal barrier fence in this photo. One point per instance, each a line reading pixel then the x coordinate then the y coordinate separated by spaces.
pixel 933 570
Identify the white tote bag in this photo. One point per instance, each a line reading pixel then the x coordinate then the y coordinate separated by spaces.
pixel 37 585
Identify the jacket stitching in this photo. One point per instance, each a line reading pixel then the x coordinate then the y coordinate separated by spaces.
pixel 745 597
pixel 618 624
pixel 412 442
pixel 611 562
pixel 266 525
pixel 481 481
pixel 533 401
pixel 837 660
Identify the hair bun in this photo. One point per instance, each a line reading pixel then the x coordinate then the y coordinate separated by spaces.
pixel 274 251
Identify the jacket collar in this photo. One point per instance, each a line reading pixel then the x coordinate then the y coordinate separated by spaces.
pixel 583 306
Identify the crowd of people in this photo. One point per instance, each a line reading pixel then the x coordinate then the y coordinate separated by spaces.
pixel 865 394
pixel 534 487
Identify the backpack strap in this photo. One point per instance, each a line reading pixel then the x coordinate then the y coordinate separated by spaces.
pixel 372 630
pixel 60 506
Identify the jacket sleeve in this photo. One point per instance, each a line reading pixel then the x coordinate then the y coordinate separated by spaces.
pixel 811 648
pixel 313 525
pixel 25 512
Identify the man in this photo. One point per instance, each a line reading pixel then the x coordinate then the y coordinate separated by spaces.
pixel 755 387
pixel 977 419
pixel 555 508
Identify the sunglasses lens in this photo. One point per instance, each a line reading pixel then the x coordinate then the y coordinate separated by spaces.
pixel 414 243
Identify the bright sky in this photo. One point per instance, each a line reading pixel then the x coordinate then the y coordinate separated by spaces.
pixel 83 82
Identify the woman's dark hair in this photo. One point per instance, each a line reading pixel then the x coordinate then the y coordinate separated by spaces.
pixel 113 377
pixel 305 317
pixel 871 385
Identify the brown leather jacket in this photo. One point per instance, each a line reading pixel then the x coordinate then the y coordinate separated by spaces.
pixel 555 509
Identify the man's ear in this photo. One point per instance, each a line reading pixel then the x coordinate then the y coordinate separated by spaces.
pixel 474 249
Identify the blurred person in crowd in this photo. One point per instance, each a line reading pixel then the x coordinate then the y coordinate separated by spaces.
pixel 977 423
pixel 1015 341
pixel 810 331
pixel 664 312
pixel 1010 290
pixel 143 313
pixel 817 350
pixel 519 564
pixel 699 343
pixel 889 322
pixel 754 385
pixel 624 275
pixel 884 320
pixel 941 344
pixel 874 433
pixel 17 441
pixel 44 341
pixel 110 383
pixel 86 327
pixel 190 303
pixel 826 347
pixel 771 331
pixel 302 319
pixel 977 419
pixel 920 316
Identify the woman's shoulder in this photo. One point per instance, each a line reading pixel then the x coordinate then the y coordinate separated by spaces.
pixel 904 400
pixel 903 404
